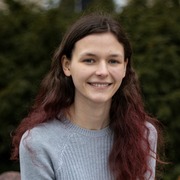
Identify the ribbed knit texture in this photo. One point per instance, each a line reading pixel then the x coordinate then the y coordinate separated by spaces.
pixel 63 151
pixel 60 150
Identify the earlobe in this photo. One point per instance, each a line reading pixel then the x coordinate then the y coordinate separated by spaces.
pixel 66 65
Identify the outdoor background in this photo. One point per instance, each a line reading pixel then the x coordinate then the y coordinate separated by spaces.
pixel 30 33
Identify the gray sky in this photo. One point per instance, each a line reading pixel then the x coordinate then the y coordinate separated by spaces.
pixel 120 2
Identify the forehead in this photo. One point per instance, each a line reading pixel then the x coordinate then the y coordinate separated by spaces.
pixel 101 42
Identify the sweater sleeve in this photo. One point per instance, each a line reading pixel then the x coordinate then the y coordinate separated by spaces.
pixel 152 137
pixel 35 162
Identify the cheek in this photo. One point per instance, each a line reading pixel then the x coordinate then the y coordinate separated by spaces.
pixel 118 74
pixel 79 76
pixel 80 72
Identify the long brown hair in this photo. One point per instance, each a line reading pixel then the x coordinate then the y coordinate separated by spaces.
pixel 127 159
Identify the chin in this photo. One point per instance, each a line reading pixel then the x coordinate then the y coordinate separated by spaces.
pixel 100 100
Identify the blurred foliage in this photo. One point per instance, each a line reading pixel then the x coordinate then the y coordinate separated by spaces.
pixel 29 35
pixel 155 36
pixel 101 5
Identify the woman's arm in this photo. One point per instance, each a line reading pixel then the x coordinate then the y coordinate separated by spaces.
pixel 35 163
pixel 152 138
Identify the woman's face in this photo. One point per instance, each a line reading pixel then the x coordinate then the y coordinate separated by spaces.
pixel 97 67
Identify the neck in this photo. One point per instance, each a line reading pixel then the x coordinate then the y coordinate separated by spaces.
pixel 90 115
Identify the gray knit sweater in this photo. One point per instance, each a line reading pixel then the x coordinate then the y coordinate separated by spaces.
pixel 60 150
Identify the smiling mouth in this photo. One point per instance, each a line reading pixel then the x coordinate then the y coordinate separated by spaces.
pixel 100 84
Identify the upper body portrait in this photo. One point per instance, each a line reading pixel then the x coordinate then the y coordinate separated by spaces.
pixel 88 121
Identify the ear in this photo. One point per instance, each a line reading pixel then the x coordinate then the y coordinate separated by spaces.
pixel 125 66
pixel 66 65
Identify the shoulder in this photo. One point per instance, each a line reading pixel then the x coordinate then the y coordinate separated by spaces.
pixel 45 135
pixel 152 135
pixel 41 148
pixel 151 130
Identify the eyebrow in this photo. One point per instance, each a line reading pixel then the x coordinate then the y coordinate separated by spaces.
pixel 88 54
pixel 94 55
pixel 116 55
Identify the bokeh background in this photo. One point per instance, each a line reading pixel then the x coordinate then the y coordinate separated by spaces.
pixel 30 31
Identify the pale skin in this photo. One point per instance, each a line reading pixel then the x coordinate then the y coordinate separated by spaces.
pixel 97 68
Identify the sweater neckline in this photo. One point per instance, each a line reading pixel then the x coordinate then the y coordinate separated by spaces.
pixel 86 132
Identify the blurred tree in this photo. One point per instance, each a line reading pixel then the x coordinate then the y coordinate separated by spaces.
pixel 70 6
pixel 28 39
pixel 155 38
pixel 101 6
pixel 67 6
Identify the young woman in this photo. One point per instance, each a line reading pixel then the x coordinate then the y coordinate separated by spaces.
pixel 88 121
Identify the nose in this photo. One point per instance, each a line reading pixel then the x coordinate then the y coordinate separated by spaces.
pixel 102 69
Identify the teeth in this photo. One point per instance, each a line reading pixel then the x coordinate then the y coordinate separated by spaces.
pixel 100 84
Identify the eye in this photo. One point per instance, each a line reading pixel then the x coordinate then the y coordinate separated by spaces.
pixel 89 61
pixel 113 61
